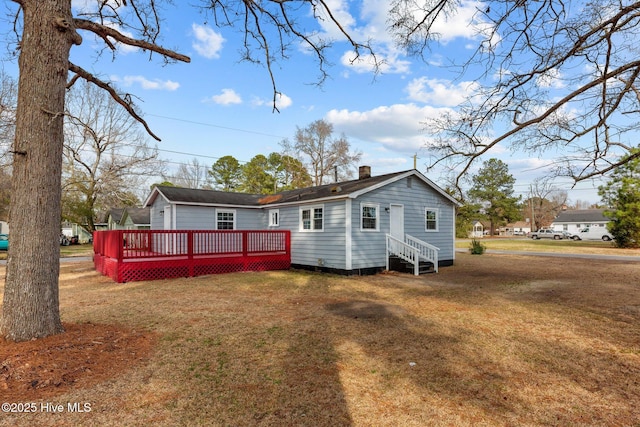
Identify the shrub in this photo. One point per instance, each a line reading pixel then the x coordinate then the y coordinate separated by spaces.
pixel 477 248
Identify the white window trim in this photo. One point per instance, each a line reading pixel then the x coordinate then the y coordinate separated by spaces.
pixel 377 208
pixel 273 223
pixel 437 211
pixel 311 208
pixel 232 211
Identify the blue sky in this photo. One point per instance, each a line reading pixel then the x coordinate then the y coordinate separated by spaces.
pixel 217 105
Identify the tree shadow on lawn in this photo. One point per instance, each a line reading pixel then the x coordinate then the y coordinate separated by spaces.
pixel 526 378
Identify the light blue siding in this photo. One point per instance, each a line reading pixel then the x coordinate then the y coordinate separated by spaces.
pixel 189 217
pixel 369 246
pixel 317 248
pixel 342 244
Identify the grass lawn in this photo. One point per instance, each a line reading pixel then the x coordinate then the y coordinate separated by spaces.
pixel 495 340
pixel 548 245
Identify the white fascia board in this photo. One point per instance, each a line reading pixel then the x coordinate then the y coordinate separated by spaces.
pixel 305 202
pixel 152 197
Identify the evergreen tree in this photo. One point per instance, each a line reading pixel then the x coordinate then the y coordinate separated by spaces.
pixel 622 195
pixel 493 188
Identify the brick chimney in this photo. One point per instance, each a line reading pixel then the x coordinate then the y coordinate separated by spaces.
pixel 364 172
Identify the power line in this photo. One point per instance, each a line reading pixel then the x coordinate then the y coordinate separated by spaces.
pixel 218 126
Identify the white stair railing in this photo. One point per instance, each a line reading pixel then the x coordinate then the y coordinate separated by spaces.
pixel 411 250
pixel 427 250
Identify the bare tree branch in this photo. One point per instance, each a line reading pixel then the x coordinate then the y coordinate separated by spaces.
pixel 127 104
pixel 565 81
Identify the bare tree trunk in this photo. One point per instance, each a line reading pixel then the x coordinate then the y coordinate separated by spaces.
pixel 31 306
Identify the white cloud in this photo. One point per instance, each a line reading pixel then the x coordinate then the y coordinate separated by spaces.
pixel 282 102
pixel 145 83
pixel 370 22
pixel 397 127
pixel 440 92
pixel 551 79
pixel 464 23
pixel 207 42
pixel 227 97
pixel 386 64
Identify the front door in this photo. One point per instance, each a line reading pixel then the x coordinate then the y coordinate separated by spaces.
pixel 396 221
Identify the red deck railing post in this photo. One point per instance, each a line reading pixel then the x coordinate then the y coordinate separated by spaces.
pixel 245 249
pixel 190 252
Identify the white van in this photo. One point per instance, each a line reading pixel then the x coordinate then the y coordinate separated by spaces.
pixel 593 233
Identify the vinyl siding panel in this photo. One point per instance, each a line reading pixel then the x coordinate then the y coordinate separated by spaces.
pixel 317 248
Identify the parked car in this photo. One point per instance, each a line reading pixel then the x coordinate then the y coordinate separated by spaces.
pixel 546 233
pixel 4 242
pixel 567 235
pixel 593 233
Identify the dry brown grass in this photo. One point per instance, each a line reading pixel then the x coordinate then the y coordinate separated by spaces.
pixel 494 340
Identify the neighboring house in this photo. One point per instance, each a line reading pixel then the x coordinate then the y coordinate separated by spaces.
pixel 70 230
pixel 477 230
pixel 113 218
pixel 135 219
pixel 519 228
pixel 339 227
pixel 573 221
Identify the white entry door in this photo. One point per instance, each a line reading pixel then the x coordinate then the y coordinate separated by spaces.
pixel 396 221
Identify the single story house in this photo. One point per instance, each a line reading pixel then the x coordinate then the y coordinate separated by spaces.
pixel 518 228
pixel 113 218
pixel 70 230
pixel 129 218
pixel 573 221
pixel 344 227
pixel 135 219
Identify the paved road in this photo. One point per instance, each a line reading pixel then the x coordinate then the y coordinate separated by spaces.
pixel 562 255
pixel 68 259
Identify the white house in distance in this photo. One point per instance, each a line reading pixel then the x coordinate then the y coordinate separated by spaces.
pixel 573 221
pixel 341 227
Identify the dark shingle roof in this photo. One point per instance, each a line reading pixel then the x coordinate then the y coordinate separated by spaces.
pixel 116 214
pixel 199 196
pixel 309 194
pixel 139 215
pixel 581 215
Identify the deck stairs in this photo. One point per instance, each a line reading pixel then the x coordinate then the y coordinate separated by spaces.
pixel 411 255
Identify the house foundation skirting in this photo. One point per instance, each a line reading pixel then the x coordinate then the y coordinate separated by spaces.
pixel 357 271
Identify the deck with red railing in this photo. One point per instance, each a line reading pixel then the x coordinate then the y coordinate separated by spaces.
pixel 133 255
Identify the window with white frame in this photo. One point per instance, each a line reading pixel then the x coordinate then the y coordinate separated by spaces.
pixel 312 218
pixel 226 219
pixel 369 216
pixel 274 218
pixel 431 219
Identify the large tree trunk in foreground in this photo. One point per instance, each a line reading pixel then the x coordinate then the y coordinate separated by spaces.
pixel 31 306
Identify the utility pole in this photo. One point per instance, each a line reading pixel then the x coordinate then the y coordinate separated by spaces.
pixel 533 219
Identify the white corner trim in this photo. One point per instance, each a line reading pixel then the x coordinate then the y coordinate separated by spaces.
pixel 348 228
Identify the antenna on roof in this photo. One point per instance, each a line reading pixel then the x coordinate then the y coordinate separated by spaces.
pixel 335 174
